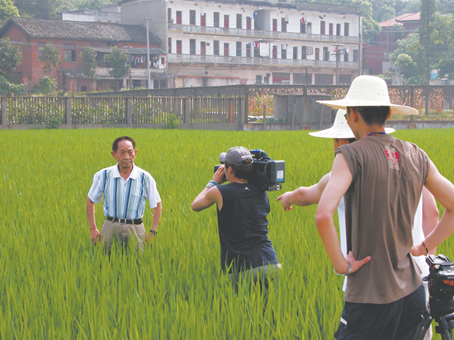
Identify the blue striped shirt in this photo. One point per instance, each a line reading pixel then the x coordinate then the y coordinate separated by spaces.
pixel 124 198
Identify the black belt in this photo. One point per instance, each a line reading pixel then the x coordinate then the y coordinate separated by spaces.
pixel 124 220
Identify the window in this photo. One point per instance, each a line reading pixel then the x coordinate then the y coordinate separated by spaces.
pixel 248 23
pixel 226 49
pixel 239 21
pixel 238 49
pixel 274 52
pixel 179 46
pixel 179 19
pixel 355 55
pixel 203 18
pixel 191 46
pixel 258 79
pixel 216 19
pixel 330 30
pixel 283 25
pixel 322 27
pixel 216 47
pixel 203 50
pixel 256 50
pixel 346 29
pixel 338 29
pixel 169 15
pixel 191 17
pixel 325 54
pixel 248 50
pixel 169 45
pixel 309 28
pixel 69 53
pixel 295 52
pixel 302 27
pixel 303 52
pixel 226 21
pixel 317 54
pixel 274 25
pixel 345 55
pixel 41 44
pixel 284 51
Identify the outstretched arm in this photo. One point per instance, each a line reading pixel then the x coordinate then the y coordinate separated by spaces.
pixel 304 196
pixel 154 227
pixel 443 191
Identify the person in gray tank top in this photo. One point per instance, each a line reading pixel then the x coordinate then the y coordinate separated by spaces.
pixel 381 179
pixel 242 209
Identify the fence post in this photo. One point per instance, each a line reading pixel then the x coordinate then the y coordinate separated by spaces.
pixel 129 112
pixel 264 116
pixel 186 111
pixel 427 103
pixel 4 114
pixel 243 118
pixel 68 112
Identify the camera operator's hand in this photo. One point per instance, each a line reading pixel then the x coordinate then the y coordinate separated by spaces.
pixel 285 203
pixel 219 175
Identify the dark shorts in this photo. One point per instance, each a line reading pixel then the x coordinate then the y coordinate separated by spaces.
pixel 396 320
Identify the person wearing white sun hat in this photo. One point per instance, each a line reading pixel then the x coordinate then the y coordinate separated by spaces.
pixel 426 217
pixel 381 179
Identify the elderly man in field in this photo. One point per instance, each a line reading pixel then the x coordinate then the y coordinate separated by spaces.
pixel 381 179
pixel 125 187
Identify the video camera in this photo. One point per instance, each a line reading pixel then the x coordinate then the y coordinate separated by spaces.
pixel 441 285
pixel 266 173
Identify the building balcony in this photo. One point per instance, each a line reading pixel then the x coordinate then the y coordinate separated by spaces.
pixel 255 61
pixel 258 34
pixel 136 73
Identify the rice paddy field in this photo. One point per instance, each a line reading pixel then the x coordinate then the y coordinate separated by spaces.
pixel 54 284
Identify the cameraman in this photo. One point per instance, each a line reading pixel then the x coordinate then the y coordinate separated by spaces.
pixel 242 209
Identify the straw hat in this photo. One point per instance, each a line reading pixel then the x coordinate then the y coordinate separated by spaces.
pixel 340 128
pixel 368 91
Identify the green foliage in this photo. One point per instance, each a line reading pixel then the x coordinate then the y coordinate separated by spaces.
pixel 46 86
pixel 54 123
pixel 10 56
pixel 6 88
pixel 88 56
pixel 172 122
pixel 50 55
pixel 40 9
pixel 7 10
pixel 119 61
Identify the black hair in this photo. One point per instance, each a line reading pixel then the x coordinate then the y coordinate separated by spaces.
pixel 373 115
pixel 119 139
pixel 243 171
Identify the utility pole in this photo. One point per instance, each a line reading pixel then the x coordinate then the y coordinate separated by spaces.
pixel 148 55
pixel 338 50
pixel 360 47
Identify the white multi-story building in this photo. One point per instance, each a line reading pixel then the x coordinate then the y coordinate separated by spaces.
pixel 215 42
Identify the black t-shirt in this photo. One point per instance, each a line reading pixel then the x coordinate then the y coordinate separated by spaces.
pixel 243 230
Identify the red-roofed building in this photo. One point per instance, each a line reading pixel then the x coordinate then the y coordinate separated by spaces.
pixel 397 28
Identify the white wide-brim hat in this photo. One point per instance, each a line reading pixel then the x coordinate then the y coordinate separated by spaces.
pixel 369 91
pixel 340 128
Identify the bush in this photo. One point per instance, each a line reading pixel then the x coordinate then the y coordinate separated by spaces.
pixel 6 88
pixel 172 122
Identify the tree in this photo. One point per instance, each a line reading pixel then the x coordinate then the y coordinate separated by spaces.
pixel 10 56
pixel 426 34
pixel 119 61
pixel 40 9
pixel 7 10
pixel 88 56
pixel 50 55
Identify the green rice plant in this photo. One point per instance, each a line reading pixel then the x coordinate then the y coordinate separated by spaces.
pixel 54 284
